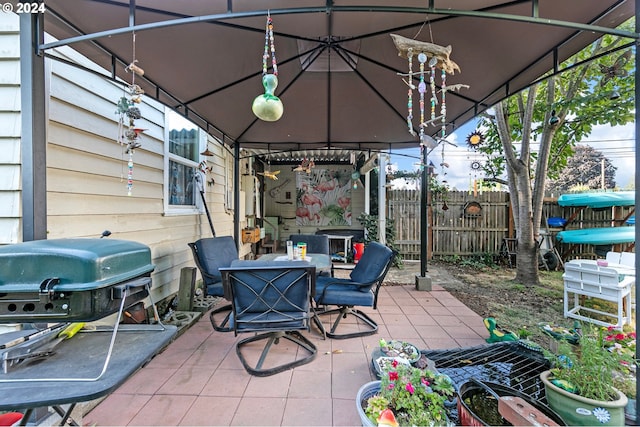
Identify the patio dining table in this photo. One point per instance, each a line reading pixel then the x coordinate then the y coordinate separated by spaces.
pixel 322 262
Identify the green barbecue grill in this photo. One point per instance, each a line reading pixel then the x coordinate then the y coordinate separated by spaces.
pixel 71 279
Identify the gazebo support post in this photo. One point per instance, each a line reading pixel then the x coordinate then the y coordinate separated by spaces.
pixel 423 281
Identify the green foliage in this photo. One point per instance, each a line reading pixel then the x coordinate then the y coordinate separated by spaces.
pixel 370 224
pixel 477 261
pixel 588 367
pixel 582 99
pixel 583 170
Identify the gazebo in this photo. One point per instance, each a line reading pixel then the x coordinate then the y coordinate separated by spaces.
pixel 341 77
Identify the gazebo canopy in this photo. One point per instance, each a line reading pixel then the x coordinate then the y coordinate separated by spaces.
pixel 340 74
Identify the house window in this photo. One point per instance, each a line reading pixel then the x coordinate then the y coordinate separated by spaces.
pixel 183 143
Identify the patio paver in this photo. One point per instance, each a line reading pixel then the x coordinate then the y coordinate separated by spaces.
pixel 198 379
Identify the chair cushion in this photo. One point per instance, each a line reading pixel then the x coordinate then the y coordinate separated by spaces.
pixel 215 289
pixel 342 292
pixel 372 264
pixel 213 253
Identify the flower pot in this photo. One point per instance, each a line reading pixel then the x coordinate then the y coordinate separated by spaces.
pixel 580 411
pixel 366 391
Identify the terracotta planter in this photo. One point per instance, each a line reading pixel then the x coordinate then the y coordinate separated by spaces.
pixel 580 411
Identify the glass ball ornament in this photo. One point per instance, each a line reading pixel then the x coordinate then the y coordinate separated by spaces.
pixel 267 106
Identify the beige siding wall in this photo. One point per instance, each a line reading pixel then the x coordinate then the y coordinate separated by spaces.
pixel 9 129
pixel 87 175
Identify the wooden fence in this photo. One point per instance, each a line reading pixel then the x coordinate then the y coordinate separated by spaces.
pixel 468 224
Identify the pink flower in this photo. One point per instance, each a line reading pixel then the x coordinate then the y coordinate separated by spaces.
pixel 632 335
pixel 424 381
pixel 410 388
pixel 609 338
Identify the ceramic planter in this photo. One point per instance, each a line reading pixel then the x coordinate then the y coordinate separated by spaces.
pixel 580 411
pixel 366 391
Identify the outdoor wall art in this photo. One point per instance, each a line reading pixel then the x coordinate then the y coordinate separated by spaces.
pixel 323 197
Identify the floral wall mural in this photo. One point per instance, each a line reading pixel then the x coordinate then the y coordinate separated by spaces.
pixel 323 197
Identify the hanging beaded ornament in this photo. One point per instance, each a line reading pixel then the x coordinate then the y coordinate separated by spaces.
pixel 129 135
pixel 267 106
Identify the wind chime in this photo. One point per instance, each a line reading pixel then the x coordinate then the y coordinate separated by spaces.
pixel 433 56
pixel 129 135
pixel 267 106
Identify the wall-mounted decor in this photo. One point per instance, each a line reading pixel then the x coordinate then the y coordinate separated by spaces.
pixel 323 197
pixel 472 209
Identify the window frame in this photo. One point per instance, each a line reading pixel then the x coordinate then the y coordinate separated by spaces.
pixel 170 209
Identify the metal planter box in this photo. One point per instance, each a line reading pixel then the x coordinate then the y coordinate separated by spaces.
pixel 71 279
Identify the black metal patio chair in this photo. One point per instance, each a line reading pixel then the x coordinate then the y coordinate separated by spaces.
pixel 210 254
pixel 271 299
pixel 360 289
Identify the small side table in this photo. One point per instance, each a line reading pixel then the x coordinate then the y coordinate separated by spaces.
pixel 347 243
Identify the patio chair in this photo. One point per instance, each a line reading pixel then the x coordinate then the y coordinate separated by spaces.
pixel 273 300
pixel 317 244
pixel 210 254
pixel 360 289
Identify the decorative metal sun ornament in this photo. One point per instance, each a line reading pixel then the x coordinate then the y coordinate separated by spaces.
pixel 475 139
pixel 476 165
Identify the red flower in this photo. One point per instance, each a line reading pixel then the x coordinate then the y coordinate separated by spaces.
pixel 393 376
pixel 620 337
pixel 394 363
pixel 609 338
pixel 410 388
pixel 632 335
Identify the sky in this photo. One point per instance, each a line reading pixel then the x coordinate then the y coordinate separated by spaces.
pixel 616 143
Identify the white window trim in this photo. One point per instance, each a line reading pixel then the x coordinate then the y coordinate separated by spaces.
pixel 172 210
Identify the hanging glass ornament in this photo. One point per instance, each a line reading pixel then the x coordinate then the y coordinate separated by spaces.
pixel 268 106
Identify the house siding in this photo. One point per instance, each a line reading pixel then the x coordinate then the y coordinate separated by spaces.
pixel 87 167
pixel 10 184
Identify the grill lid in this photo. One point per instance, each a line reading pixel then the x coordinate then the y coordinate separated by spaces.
pixel 77 264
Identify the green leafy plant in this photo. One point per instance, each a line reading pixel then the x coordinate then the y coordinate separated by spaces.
pixel 415 396
pixel 370 224
pixel 588 368
pixel 622 343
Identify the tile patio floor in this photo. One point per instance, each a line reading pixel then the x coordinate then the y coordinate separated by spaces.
pixel 198 379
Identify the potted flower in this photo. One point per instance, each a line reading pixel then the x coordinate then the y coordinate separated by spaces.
pixel 623 343
pixel 580 385
pixel 406 395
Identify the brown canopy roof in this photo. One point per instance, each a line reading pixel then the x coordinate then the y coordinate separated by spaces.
pixel 210 66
